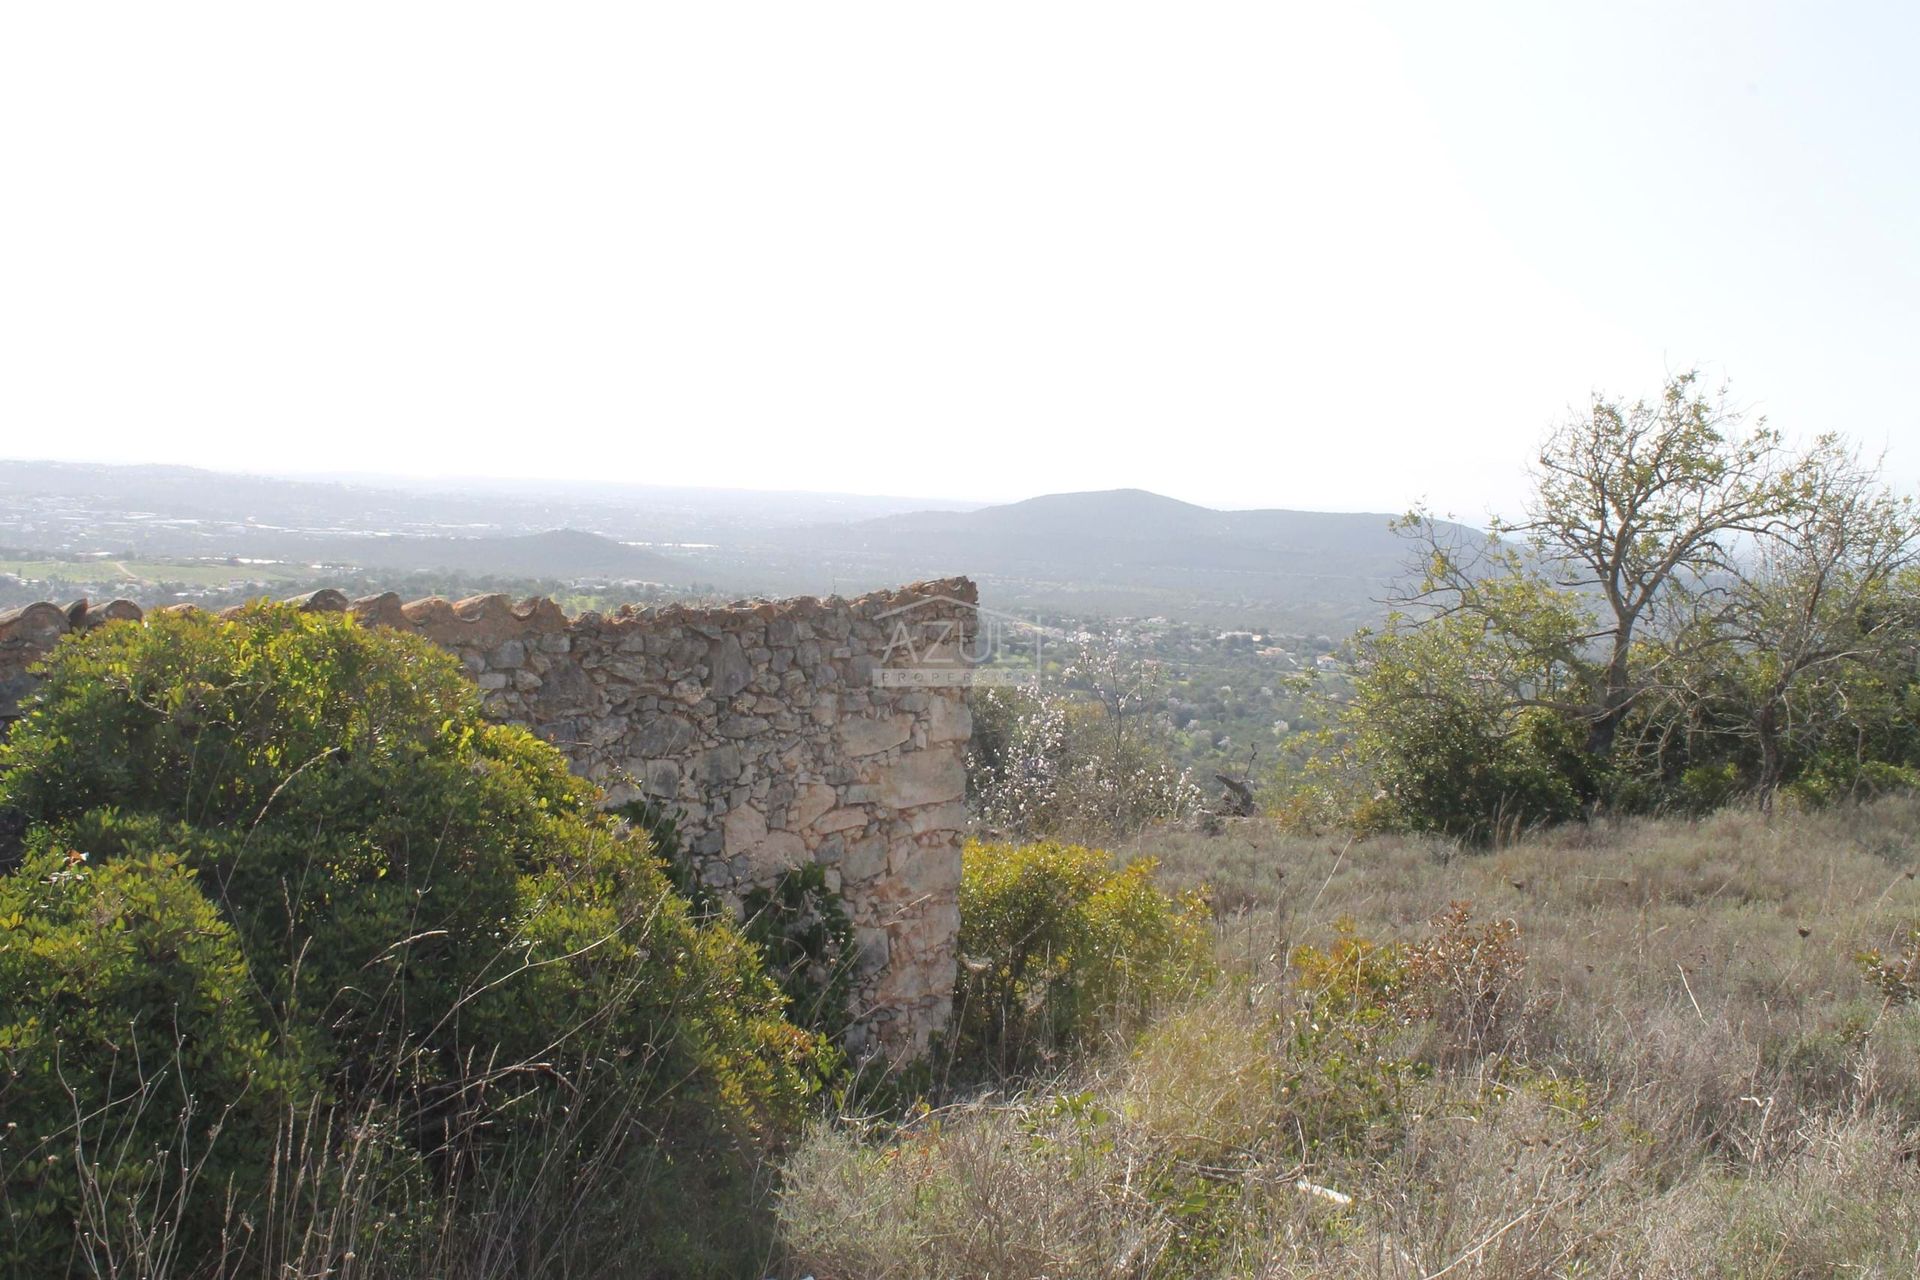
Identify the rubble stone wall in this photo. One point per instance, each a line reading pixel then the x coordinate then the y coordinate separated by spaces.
pixel 763 724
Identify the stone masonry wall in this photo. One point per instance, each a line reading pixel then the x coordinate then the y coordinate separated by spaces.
pixel 764 724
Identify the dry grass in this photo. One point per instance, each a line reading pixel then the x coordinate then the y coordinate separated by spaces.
pixel 1693 1079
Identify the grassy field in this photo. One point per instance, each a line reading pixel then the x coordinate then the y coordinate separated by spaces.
pixel 1670 1064
pixel 193 573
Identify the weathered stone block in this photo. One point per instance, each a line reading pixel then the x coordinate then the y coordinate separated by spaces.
pixel 662 736
pixel 863 860
pixel 728 664
pixel 870 737
pixel 929 777
pixel 839 820
pixel 720 765
pixel 951 816
pixel 810 803
pixel 949 719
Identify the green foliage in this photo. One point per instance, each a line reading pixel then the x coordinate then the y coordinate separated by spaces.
pixel 1833 777
pixel 1688 613
pixel 120 982
pixel 1707 786
pixel 406 910
pixel 801 925
pixel 1057 944
pixel 1448 723
pixel 660 823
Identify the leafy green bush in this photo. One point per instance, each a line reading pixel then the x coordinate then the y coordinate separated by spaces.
pixel 1832 779
pixel 122 984
pixel 1057 943
pixel 395 905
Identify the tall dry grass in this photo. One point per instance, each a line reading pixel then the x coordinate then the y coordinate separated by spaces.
pixel 1689 1077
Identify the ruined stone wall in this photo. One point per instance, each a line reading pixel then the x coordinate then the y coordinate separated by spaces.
pixel 764 724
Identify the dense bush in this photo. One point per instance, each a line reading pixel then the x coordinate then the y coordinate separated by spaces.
pixel 305 872
pixel 122 984
pixel 1057 943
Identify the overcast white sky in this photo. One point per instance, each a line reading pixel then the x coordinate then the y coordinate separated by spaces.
pixel 1271 254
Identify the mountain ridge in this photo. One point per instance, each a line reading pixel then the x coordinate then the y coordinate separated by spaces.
pixel 1113 552
pixel 1136 551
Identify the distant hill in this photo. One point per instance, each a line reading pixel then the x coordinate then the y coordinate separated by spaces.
pixel 1132 551
pixel 1118 552
pixel 1151 530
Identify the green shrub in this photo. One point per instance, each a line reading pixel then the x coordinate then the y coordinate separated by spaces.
pixel 1707 787
pixel 422 914
pixel 1057 943
pixel 1832 779
pixel 121 983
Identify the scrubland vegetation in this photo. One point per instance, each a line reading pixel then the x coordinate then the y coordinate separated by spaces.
pixel 1578 942
pixel 1645 1047
pixel 1582 940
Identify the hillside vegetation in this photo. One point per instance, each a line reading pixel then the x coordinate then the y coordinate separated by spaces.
pixel 1584 937
pixel 1690 610
pixel 306 971
pixel 1579 937
pixel 1636 1048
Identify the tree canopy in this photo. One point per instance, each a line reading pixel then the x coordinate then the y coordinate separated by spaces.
pixel 1688 604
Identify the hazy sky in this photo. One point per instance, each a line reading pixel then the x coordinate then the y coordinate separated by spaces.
pixel 1271 254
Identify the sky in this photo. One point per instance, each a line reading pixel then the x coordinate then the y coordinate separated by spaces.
pixel 1327 256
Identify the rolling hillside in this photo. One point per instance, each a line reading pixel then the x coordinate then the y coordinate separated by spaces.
pixel 1120 552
